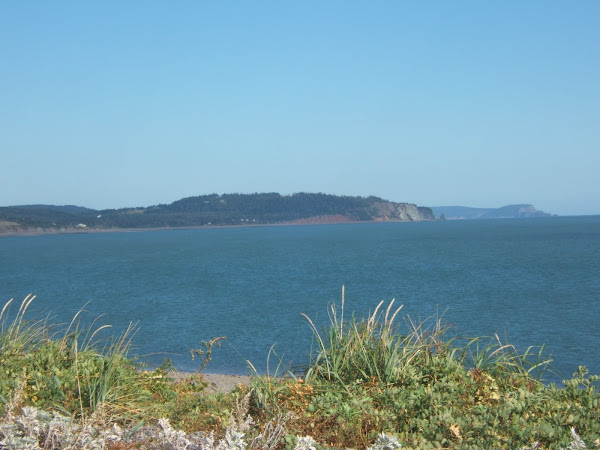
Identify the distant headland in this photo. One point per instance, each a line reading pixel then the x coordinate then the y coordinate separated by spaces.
pixel 505 212
pixel 211 210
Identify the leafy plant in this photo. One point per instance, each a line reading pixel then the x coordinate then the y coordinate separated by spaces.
pixel 72 370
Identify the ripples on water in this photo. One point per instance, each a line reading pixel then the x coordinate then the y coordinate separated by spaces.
pixel 535 281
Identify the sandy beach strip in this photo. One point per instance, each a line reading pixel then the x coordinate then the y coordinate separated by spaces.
pixel 217 382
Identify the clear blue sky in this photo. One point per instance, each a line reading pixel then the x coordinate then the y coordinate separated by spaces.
pixel 113 104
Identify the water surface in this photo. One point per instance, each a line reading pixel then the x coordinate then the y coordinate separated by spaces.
pixel 533 280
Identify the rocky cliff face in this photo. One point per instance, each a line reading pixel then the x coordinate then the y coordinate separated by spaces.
pixel 380 211
pixel 406 212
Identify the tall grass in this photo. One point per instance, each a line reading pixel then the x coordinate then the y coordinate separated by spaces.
pixel 372 348
pixel 490 354
pixel 72 369
pixel 380 348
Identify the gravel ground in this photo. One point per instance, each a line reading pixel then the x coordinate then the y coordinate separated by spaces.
pixel 218 382
pixel 224 383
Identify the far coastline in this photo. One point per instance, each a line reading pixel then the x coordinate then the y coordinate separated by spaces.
pixel 322 220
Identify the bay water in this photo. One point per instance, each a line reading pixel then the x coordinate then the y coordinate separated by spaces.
pixel 531 281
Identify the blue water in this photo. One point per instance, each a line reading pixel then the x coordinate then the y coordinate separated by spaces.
pixel 535 281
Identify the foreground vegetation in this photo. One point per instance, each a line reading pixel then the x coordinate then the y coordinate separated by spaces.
pixel 371 383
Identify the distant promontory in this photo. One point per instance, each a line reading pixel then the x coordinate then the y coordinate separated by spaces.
pixel 212 210
pixel 505 212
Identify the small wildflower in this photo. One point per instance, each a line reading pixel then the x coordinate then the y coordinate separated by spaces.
pixel 385 442
pixel 305 443
pixel 577 441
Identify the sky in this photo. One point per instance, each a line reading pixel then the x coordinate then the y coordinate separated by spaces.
pixel 119 104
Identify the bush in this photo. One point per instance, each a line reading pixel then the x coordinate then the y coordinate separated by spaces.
pixel 71 370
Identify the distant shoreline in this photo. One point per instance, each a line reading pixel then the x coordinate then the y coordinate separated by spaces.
pixel 300 222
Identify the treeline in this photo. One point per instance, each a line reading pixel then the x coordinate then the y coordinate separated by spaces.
pixel 214 209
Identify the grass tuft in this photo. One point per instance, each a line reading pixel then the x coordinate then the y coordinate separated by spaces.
pixel 360 350
pixel 71 370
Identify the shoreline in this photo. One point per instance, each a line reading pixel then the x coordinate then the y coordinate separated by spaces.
pixel 216 382
pixel 299 222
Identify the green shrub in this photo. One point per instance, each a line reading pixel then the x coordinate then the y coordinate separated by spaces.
pixel 71 370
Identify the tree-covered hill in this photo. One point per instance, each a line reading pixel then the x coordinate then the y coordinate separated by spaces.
pixel 214 209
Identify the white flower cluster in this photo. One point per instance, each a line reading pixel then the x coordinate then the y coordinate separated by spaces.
pixel 36 429
pixel 305 443
pixel 576 444
pixel 385 442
